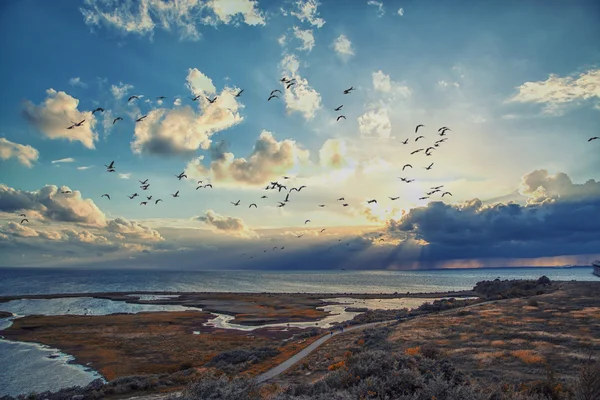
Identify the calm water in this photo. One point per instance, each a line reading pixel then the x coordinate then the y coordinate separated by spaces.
pixel 26 367
pixel 48 281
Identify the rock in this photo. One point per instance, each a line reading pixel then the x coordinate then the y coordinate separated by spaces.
pixel 78 397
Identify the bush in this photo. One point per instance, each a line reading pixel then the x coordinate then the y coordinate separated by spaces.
pixel 533 303
pixel 587 386
pixel 241 357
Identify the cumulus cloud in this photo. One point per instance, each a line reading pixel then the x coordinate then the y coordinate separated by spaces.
pixel 133 229
pixel 567 225
pixel 55 114
pixel 77 82
pixel 446 84
pixel 383 83
pixel 224 224
pixel 125 176
pixel 300 97
pixel 226 11
pixel 540 186
pixel 375 123
pixel 401 11
pixel 333 153
pixel 51 204
pixel 119 91
pixel 268 160
pixel 64 160
pixel 555 92
pixel 25 154
pixel 379 5
pixel 143 17
pixel 343 47
pixel 306 37
pixel 307 11
pixel 183 130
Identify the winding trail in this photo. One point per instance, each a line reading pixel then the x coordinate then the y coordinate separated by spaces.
pixel 279 369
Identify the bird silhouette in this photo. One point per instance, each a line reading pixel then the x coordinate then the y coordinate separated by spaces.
pixel 341 116
pixel 307 221
pixel 110 166
pixel 347 91
pixel 99 109
pixel 323 230
pixel 237 203
pixel 276 90
pixel 593 138
pixel 371 201
pixel 419 126
pixel 394 198
pixel 405 142
pixel 405 166
pixel 176 194
pixel 339 108
pixel 341 199
pixel 143 203
pixel 321 205
pixel 429 167
pixel 24 220
pixel 131 98
pixel 419 137
pixel 117 119
pixel 345 205
pixel 22 215
pixel 144 182
pixel 213 100
pixel 423 198
pixel 446 193
pixel 149 197
pixel 239 93
pixel 160 98
pixel 140 119
pixel 273 96
pixel 253 204
pixel 281 204
pixel 106 195
pixel 417 151
pixel 157 200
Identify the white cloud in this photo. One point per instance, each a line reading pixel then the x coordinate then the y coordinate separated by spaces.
pixel 64 160
pixel 56 113
pixel 307 38
pixel 446 84
pixel 183 130
pixel 83 168
pixel 25 154
pixel 555 91
pixel 144 16
pixel 119 91
pixel 198 83
pixel 125 176
pixel 51 204
pixel 269 159
pixel 225 10
pixel 133 229
pixel 307 12
pixel 301 97
pixel 224 224
pixel 379 5
pixel 333 153
pixel 383 83
pixel 375 123
pixel 281 40
pixel 401 11
pixel 343 46
pixel 77 82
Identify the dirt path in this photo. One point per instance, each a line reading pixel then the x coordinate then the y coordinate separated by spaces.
pixel 275 371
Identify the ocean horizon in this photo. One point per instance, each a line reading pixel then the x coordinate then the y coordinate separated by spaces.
pixel 35 281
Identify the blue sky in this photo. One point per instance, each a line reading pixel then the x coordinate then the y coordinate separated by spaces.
pixel 518 84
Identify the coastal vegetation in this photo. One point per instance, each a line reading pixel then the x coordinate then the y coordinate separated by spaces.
pixel 530 347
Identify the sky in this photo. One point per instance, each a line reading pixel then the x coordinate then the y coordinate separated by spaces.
pixel 517 84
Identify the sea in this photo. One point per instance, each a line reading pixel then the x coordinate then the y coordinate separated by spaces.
pixel 28 367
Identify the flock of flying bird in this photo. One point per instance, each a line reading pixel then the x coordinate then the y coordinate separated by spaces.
pixel 275 185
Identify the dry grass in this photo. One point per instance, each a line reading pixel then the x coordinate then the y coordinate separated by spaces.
pixel 507 340
pixel 413 351
pixel 528 356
